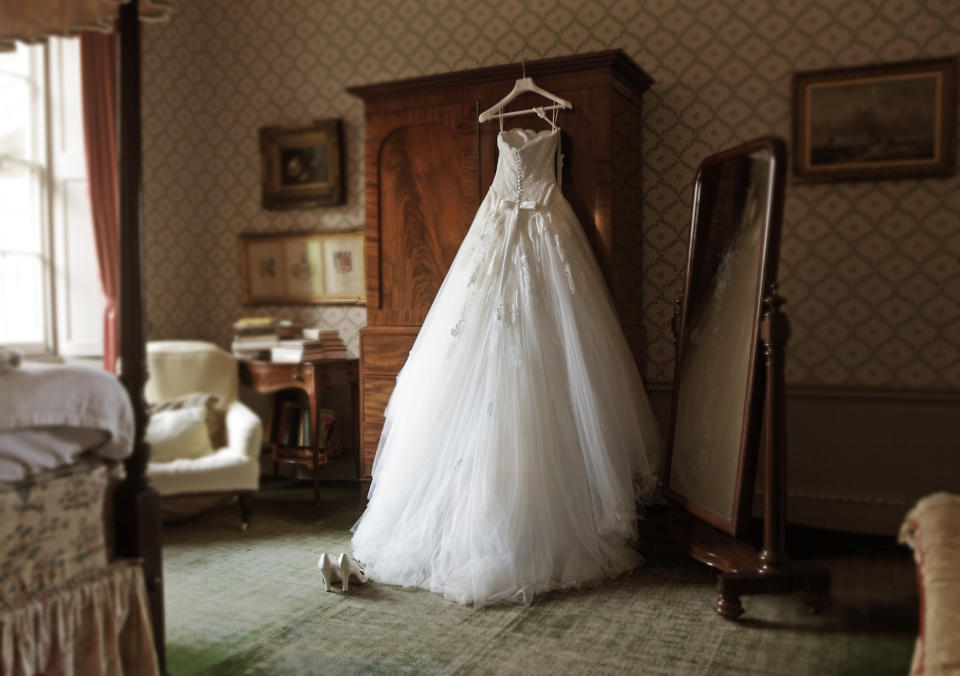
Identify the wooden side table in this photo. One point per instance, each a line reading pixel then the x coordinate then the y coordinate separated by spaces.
pixel 312 377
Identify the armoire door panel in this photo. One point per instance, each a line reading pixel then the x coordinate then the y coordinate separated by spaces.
pixel 421 205
pixel 424 190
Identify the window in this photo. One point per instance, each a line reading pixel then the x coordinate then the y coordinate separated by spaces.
pixel 50 296
pixel 23 174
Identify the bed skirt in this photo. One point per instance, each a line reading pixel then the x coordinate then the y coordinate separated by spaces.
pixel 97 624
pixel 55 526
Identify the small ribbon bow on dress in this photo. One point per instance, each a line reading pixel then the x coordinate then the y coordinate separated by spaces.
pixel 515 206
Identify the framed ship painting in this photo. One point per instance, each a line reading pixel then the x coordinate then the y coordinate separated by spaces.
pixel 883 121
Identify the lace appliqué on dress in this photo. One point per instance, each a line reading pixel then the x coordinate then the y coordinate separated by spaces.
pixel 507 313
pixel 571 285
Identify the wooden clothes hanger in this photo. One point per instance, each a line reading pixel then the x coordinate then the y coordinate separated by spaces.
pixel 522 86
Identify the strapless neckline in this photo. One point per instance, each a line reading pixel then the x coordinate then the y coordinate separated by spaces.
pixel 528 136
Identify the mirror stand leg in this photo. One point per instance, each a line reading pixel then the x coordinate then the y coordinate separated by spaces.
pixel 776 574
pixel 774 334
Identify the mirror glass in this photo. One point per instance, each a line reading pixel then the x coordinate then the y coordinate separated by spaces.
pixel 717 391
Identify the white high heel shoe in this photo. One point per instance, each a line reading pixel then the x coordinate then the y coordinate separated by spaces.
pixel 328 571
pixel 350 569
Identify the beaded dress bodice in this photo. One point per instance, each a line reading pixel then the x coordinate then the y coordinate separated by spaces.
pixel 526 168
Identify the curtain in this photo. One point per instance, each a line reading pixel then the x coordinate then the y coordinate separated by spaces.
pixel 98 66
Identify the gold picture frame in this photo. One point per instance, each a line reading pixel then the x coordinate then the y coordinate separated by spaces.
pixel 894 120
pixel 302 167
pixel 325 268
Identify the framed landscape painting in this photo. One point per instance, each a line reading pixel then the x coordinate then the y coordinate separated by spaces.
pixel 884 121
pixel 302 167
pixel 322 267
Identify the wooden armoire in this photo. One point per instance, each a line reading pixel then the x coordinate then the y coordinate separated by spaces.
pixel 428 164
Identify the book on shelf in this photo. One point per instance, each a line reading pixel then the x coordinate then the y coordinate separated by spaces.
pixel 304 343
pixel 290 355
pixel 255 325
pixel 282 355
pixel 293 355
pixel 316 333
pixel 313 344
pixel 288 328
pixel 258 341
pixel 255 355
pixel 253 349
pixel 291 427
pixel 297 436
pixel 254 336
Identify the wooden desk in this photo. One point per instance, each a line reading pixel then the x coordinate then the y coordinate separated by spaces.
pixel 312 377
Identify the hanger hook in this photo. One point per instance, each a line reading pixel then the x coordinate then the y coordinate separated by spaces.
pixel 523 65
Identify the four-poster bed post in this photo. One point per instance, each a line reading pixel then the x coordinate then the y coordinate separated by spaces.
pixel 137 503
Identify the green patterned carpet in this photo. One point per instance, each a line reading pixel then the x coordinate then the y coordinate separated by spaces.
pixel 252 603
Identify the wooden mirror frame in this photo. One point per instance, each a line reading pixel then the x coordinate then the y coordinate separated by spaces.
pixel 754 400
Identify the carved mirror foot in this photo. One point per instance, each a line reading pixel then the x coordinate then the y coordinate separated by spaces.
pixel 728 607
pixel 811 579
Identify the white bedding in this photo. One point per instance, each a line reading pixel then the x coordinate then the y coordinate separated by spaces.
pixel 51 413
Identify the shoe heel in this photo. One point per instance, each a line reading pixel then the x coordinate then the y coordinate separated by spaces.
pixel 348 567
pixel 327 571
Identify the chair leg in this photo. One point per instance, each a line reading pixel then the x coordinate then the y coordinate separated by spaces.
pixel 246 507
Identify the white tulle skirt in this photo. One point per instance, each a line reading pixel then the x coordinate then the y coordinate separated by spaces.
pixel 519 438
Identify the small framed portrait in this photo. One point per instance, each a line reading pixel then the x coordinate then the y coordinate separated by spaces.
pixel 884 121
pixel 302 167
pixel 323 268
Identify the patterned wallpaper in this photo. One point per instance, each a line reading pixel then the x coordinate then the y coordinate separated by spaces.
pixel 871 270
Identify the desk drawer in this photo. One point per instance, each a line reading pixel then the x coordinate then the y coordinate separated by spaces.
pixel 266 376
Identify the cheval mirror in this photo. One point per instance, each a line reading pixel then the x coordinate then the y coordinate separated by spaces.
pixel 717 396
pixel 729 375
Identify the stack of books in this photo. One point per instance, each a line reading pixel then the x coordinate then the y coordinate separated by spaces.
pixel 253 337
pixel 333 345
pixel 288 329
pixel 296 350
pixel 314 345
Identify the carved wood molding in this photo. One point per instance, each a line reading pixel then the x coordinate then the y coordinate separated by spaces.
pixel 613 60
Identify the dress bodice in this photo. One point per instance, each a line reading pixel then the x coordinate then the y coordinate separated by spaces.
pixel 527 165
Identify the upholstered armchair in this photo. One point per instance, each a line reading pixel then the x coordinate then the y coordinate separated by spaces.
pixel 177 369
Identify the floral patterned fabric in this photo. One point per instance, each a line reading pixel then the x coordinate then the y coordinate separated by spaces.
pixel 97 624
pixel 52 527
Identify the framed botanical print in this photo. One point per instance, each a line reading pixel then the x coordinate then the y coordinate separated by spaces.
pixel 302 167
pixel 883 121
pixel 317 267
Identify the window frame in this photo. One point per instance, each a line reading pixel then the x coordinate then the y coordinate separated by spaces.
pixel 37 160
pixel 72 316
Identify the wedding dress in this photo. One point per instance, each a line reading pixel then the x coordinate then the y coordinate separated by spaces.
pixel 519 437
